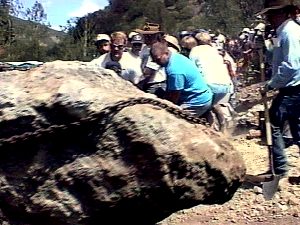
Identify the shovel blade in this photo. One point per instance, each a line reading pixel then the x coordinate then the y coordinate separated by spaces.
pixel 270 188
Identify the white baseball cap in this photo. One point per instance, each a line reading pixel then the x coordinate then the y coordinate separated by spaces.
pixel 102 37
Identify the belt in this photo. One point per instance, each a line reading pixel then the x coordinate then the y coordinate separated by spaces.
pixel 290 90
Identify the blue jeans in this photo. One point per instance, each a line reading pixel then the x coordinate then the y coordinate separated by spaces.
pixel 285 107
pixel 197 110
pixel 219 91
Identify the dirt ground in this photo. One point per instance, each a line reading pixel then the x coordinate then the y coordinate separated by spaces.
pixel 248 205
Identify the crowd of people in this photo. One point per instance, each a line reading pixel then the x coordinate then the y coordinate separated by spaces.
pixel 197 70
pixel 193 69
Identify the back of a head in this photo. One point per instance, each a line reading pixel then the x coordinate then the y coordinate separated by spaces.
pixel 188 42
pixel 203 38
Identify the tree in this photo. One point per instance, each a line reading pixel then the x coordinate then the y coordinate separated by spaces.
pixel 16 8
pixel 31 47
pixel 6 30
pixel 36 13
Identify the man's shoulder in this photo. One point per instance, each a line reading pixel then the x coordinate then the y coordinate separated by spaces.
pixel 203 50
pixel 289 28
pixel 179 64
pixel 178 56
pixel 174 59
pixel 101 59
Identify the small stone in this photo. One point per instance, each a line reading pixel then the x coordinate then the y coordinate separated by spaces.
pixel 257 190
pixel 283 207
pixel 294 201
pixel 233 220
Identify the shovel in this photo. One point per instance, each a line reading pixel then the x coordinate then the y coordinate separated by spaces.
pixel 269 187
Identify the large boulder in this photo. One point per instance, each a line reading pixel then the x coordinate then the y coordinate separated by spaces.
pixel 74 150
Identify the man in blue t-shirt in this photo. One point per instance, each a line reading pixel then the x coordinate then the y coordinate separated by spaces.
pixel 185 83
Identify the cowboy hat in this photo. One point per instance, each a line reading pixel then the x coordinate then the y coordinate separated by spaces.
pixel 275 4
pixel 149 28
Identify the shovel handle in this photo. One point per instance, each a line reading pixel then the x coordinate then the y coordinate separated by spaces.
pixel 267 121
pixel 266 111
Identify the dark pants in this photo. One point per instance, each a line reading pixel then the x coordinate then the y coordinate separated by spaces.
pixel 285 107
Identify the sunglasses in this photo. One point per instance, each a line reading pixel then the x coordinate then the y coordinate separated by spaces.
pixel 117 46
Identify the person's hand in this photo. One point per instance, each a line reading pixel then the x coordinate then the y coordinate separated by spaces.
pixel 265 88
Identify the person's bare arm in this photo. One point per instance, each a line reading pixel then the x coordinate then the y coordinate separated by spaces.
pixel 173 96
pixel 148 75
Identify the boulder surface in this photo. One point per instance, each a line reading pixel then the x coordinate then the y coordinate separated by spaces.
pixel 78 146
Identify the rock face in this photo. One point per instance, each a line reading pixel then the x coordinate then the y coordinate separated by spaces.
pixel 131 165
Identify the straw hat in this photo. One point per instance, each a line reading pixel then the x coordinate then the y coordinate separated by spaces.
pixel 149 28
pixel 275 4
pixel 173 41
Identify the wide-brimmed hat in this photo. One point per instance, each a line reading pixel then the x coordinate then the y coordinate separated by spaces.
pixel 149 28
pixel 173 41
pixel 275 4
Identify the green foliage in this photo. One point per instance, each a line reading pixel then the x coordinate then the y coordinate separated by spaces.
pixel 227 16
pixel 185 13
pixel 154 11
pixel 33 40
pixel 36 13
pixel 6 34
pixel 169 3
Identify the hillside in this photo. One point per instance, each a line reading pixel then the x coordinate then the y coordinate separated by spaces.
pixel 26 30
pixel 175 15
pixel 30 41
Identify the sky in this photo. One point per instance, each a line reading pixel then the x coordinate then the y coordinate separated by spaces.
pixel 59 11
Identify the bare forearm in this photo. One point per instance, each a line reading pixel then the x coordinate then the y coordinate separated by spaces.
pixel 173 96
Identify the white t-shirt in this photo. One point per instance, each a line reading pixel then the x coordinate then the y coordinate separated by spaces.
pixel 131 66
pixel 211 63
pixel 160 74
